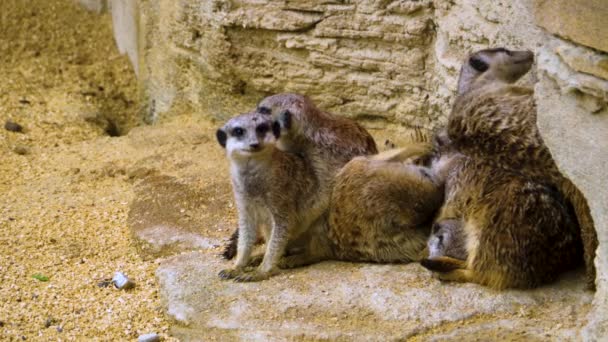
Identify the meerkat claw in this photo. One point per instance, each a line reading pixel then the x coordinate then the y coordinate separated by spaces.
pixel 230 273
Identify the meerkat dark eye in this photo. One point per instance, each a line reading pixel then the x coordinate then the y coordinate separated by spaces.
pixel 478 64
pixel 238 132
pixel 262 129
pixel 264 110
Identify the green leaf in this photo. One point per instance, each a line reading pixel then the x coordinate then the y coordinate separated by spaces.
pixel 40 277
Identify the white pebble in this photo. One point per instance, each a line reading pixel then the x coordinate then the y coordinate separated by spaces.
pixel 148 338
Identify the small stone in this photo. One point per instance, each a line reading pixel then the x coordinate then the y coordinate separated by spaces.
pixel 1 324
pixel 59 329
pixel 21 149
pixel 49 321
pixel 148 338
pixel 122 282
pixel 13 126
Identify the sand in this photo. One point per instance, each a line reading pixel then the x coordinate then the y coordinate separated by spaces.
pixel 61 214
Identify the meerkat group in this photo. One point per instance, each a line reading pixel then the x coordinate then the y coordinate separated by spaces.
pixel 482 201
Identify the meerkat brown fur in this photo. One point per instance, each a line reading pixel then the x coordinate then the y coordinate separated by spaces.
pixel 382 205
pixel 523 221
pixel 273 190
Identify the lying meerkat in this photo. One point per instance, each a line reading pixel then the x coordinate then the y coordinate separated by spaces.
pixel 273 190
pixel 522 220
pixel 326 141
pixel 382 206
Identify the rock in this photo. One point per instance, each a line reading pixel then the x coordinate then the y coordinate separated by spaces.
pixel 584 60
pixel 579 144
pixel 122 282
pixel 342 301
pixel 169 217
pixel 21 149
pixel 580 21
pixel 149 338
pixel 569 80
pixel 353 59
pixel 13 126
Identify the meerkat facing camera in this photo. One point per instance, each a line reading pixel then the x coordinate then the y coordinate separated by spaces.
pixel 325 140
pixel 273 190
pixel 521 219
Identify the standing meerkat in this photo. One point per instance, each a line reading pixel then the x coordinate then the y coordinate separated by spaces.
pixel 273 190
pixel 325 140
pixel 523 221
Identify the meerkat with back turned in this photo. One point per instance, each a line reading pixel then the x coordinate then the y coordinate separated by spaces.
pixel 521 219
pixel 274 190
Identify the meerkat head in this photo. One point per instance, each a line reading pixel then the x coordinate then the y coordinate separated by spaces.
pixel 248 135
pixel 289 110
pixel 493 65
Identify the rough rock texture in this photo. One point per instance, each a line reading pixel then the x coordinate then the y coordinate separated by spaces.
pixel 341 301
pixel 365 59
pixel 581 21
pixel 558 114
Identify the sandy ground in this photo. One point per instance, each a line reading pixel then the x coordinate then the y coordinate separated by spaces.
pixel 61 214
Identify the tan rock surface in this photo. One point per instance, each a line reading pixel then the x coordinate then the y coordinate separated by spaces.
pixel 580 21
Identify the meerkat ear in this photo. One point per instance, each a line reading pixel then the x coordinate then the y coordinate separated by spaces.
pixel 285 119
pixel 221 137
pixel 264 110
pixel 276 129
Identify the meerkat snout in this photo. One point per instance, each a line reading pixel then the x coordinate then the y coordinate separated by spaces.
pixel 492 65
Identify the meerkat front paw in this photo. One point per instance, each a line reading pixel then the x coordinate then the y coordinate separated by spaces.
pixel 231 273
pixel 253 276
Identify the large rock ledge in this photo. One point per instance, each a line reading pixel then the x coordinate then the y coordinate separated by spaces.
pixel 342 301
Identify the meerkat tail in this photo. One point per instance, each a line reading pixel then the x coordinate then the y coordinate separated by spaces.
pixel 587 227
pixel 443 264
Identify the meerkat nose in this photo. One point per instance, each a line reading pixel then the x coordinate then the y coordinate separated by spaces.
pixel 255 146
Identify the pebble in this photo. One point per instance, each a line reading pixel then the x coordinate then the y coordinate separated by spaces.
pixel 122 282
pixel 148 338
pixel 21 149
pixel 13 126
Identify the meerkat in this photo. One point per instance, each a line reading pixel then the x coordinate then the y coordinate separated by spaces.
pixel 382 206
pixel 325 140
pixel 273 190
pixel 523 222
